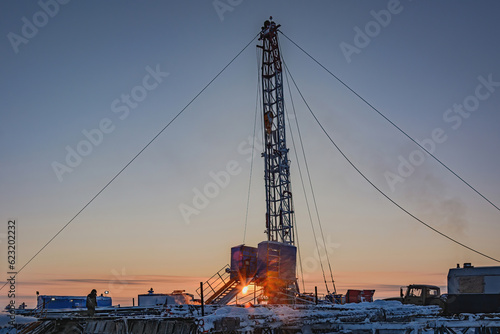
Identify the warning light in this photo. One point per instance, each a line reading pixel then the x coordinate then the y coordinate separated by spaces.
pixel 245 289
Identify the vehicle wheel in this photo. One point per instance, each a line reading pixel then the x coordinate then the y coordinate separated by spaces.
pixel 439 303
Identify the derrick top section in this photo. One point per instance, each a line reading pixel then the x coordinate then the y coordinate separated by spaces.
pixel 269 38
pixel 269 29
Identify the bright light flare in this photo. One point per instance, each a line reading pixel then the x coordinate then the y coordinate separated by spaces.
pixel 245 289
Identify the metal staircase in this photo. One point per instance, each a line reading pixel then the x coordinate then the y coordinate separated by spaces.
pixel 226 292
pixel 220 289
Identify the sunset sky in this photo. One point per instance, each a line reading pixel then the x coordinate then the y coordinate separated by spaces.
pixel 103 78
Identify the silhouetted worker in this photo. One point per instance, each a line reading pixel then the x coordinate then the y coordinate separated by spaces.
pixel 92 302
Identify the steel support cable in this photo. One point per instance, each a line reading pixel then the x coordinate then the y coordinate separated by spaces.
pixel 310 182
pixel 296 234
pixel 295 226
pixel 301 267
pixel 253 145
pixel 378 189
pixel 308 209
pixel 310 218
pixel 394 125
pixel 304 189
pixel 133 159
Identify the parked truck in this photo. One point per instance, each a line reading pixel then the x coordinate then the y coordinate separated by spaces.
pixel 420 294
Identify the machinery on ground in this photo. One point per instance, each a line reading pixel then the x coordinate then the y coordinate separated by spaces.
pixel 420 294
pixel 470 290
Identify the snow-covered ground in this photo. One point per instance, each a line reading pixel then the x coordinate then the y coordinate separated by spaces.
pixel 375 315
pixel 349 313
pixel 4 322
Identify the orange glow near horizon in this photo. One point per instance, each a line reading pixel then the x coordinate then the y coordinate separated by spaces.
pixel 124 289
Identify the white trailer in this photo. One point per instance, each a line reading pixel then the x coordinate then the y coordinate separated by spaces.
pixel 473 289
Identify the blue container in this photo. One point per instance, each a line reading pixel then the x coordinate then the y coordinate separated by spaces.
pixel 276 260
pixel 243 262
pixel 61 302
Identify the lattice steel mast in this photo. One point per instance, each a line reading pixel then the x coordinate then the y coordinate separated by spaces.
pixel 280 217
pixel 272 265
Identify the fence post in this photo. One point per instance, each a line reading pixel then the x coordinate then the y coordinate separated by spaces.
pixel 202 301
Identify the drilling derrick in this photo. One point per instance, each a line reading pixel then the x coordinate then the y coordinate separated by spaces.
pixel 279 207
pixel 276 257
pixel 271 266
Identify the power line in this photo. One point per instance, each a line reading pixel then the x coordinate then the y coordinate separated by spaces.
pixel 301 268
pixel 393 124
pixel 132 160
pixel 304 189
pixel 310 183
pixel 253 145
pixel 377 188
